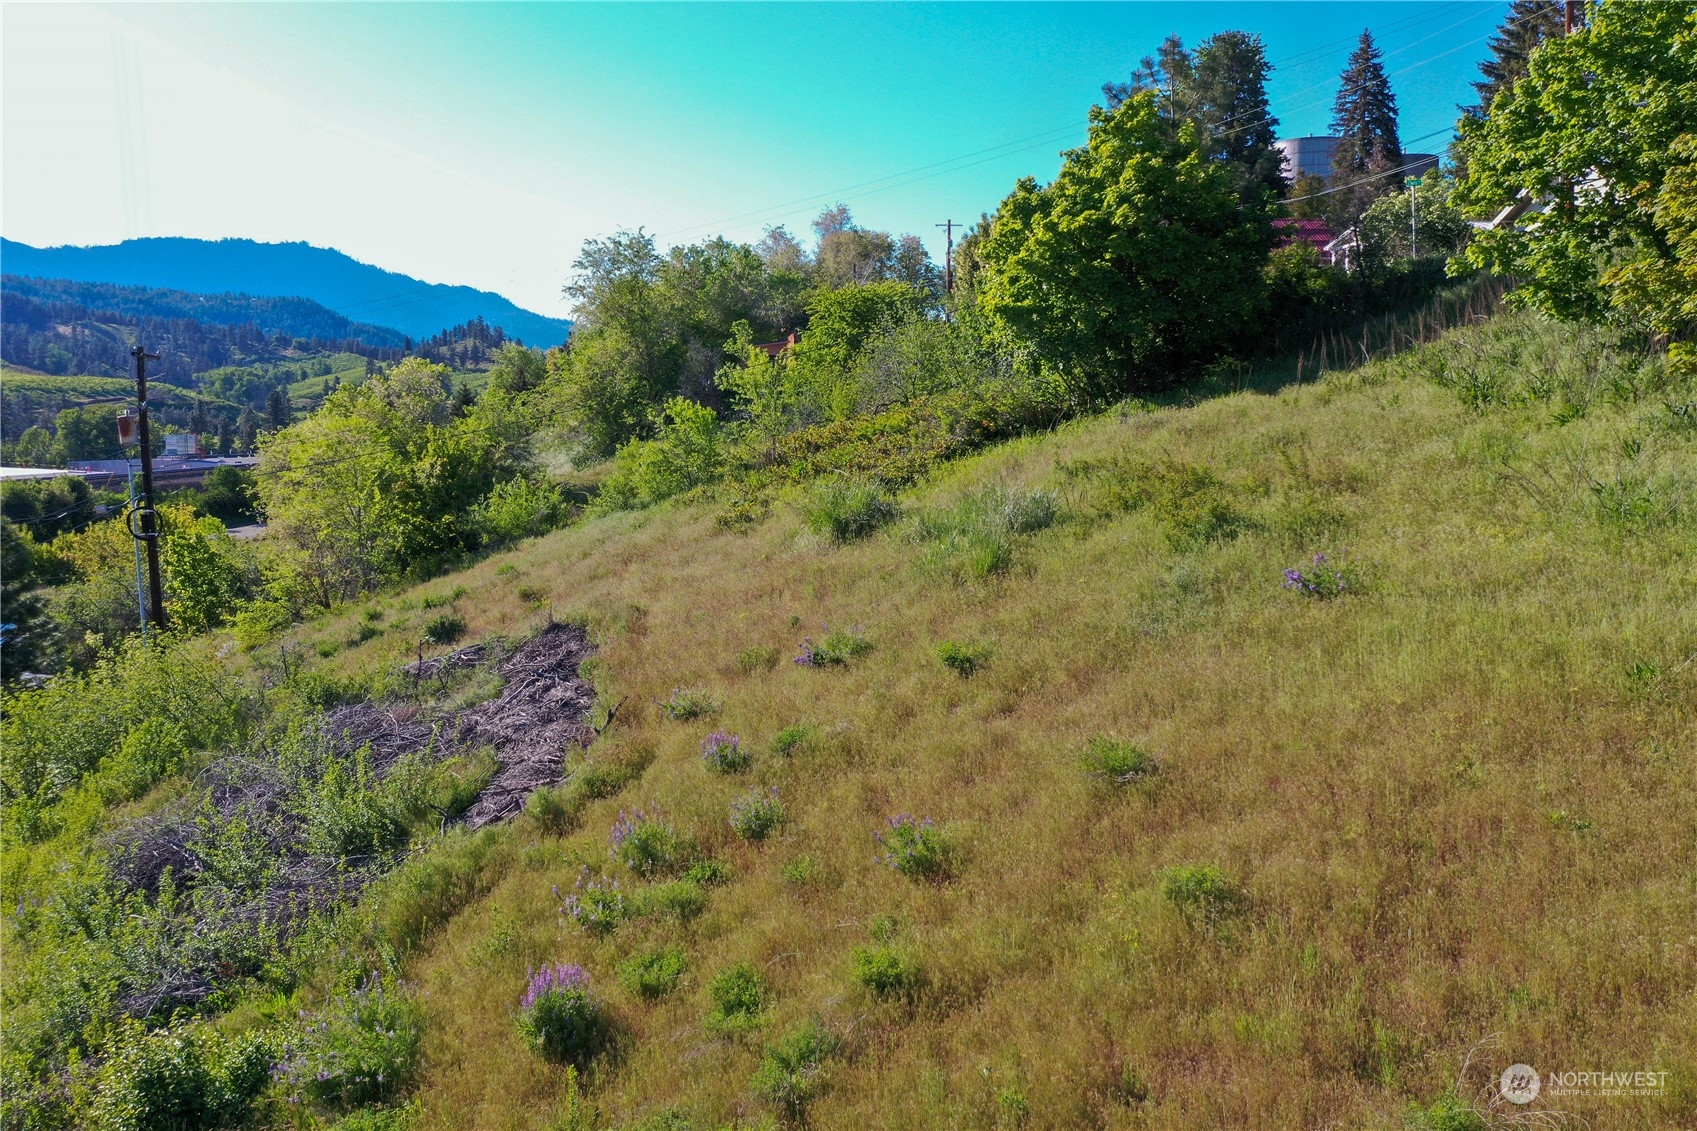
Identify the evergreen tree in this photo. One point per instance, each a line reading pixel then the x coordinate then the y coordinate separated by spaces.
pixel 247 429
pixel 1364 120
pixel 1170 73
pixel 277 414
pixel 197 418
pixel 225 437
pixel 464 398
pixel 26 629
pixel 1529 23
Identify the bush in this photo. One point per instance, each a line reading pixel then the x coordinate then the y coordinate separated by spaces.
pixel 1115 761
pixel 977 537
pixel 652 974
pixel 559 1019
pixel 647 845
pixel 792 739
pixel 596 904
pixel 518 508
pixel 845 509
pixel 1193 506
pixel 360 1048
pixel 789 1073
pixel 178 1079
pixel 689 703
pixel 756 816
pixel 445 628
pixel 839 647
pixel 761 658
pixel 914 848
pixel 963 659
pixel 885 970
pixel 1203 895
pixel 683 899
pixel 739 998
pixel 685 453
pixel 1449 1112
pixel 724 753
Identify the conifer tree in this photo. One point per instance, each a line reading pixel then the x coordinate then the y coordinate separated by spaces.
pixel 277 414
pixel 247 429
pixel 225 437
pixel 1529 23
pixel 1364 120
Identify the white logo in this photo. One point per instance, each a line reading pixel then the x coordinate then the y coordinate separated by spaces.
pixel 1520 1084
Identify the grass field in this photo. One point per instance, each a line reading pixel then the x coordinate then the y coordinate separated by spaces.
pixel 1431 794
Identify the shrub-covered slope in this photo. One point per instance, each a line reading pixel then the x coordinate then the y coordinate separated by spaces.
pixel 1407 658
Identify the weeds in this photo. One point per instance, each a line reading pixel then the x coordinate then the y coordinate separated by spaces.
pixel 914 848
pixel 360 1048
pixel 444 628
pixel 839 647
pixel 689 703
pixel 963 659
pixel 760 658
pixel 739 1000
pixel 647 844
pixel 1323 579
pixel 559 1019
pixel 653 974
pixel 793 739
pixel 790 1071
pixel 758 815
pixel 1203 895
pixel 846 509
pixel 1121 763
pixel 597 905
pixel 1193 506
pixel 977 537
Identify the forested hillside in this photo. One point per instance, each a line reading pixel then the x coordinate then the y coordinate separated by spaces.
pixel 323 275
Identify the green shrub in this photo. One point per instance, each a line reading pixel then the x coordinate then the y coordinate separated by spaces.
pixel 178 1079
pixel 361 1048
pixel 1448 1112
pixel 557 808
pixel 681 899
pixel 1203 895
pixel 739 998
pixel 707 872
pixel 518 508
pixel 845 509
pixel 652 974
pixel 689 703
pixel 444 628
pixel 559 1019
pixel 885 970
pixel 1192 505
pixel 1116 761
pixel 793 739
pixel 349 811
pixel 758 815
pixel 915 848
pixel 686 452
pixel 839 647
pixel 760 658
pixel 963 659
pixel 789 1073
pixel 799 871
pixel 647 844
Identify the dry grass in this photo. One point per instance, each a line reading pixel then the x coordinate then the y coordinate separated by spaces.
pixel 1452 809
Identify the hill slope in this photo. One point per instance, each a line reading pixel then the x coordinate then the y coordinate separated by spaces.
pixel 1384 822
pixel 345 285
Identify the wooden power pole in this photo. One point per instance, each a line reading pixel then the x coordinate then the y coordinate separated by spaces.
pixel 949 261
pixel 148 535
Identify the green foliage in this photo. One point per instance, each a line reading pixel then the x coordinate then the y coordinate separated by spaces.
pixel 789 1076
pixel 648 845
pixel 1116 761
pixel 916 849
pixel 839 646
pixel 559 1018
pixel 685 453
pixel 27 638
pixel 207 576
pixel 1193 505
pixel 1601 126
pixel 1135 264
pixel 227 494
pixel 793 739
pixel 886 970
pixel 739 996
pixel 840 324
pixel 1389 228
pixel 963 659
pixel 377 482
pixel 760 658
pixel 846 509
pixel 1364 119
pixel 444 628
pixel 350 811
pixel 653 974
pixel 1203 895
pixel 1449 1112
pixel 979 535
pixel 681 899
pixel 47 507
pixel 518 508
pixel 361 1047
pixel 758 815
pixel 182 1078
pixel 689 703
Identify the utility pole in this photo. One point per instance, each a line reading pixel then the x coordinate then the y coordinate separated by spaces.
pixel 949 262
pixel 1574 11
pixel 1413 225
pixel 148 535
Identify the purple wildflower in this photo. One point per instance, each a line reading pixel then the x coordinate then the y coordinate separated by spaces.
pixel 551 979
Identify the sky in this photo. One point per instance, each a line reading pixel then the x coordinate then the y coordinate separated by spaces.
pixel 481 144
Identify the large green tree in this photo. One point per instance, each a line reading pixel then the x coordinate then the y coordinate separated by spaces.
pixel 1136 263
pixel 1364 118
pixel 1600 139
pixel 1529 23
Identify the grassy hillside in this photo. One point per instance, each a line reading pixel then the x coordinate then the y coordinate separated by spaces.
pixel 1432 792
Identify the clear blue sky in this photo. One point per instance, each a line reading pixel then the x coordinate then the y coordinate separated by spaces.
pixel 482 143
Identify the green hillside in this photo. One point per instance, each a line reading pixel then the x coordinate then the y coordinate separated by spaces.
pixel 1265 756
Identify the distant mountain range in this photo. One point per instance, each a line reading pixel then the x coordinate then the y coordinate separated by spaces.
pixel 357 291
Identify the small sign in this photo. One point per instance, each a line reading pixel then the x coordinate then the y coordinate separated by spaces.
pixel 128 426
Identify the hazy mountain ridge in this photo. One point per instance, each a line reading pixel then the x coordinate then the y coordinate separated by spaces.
pixel 355 290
